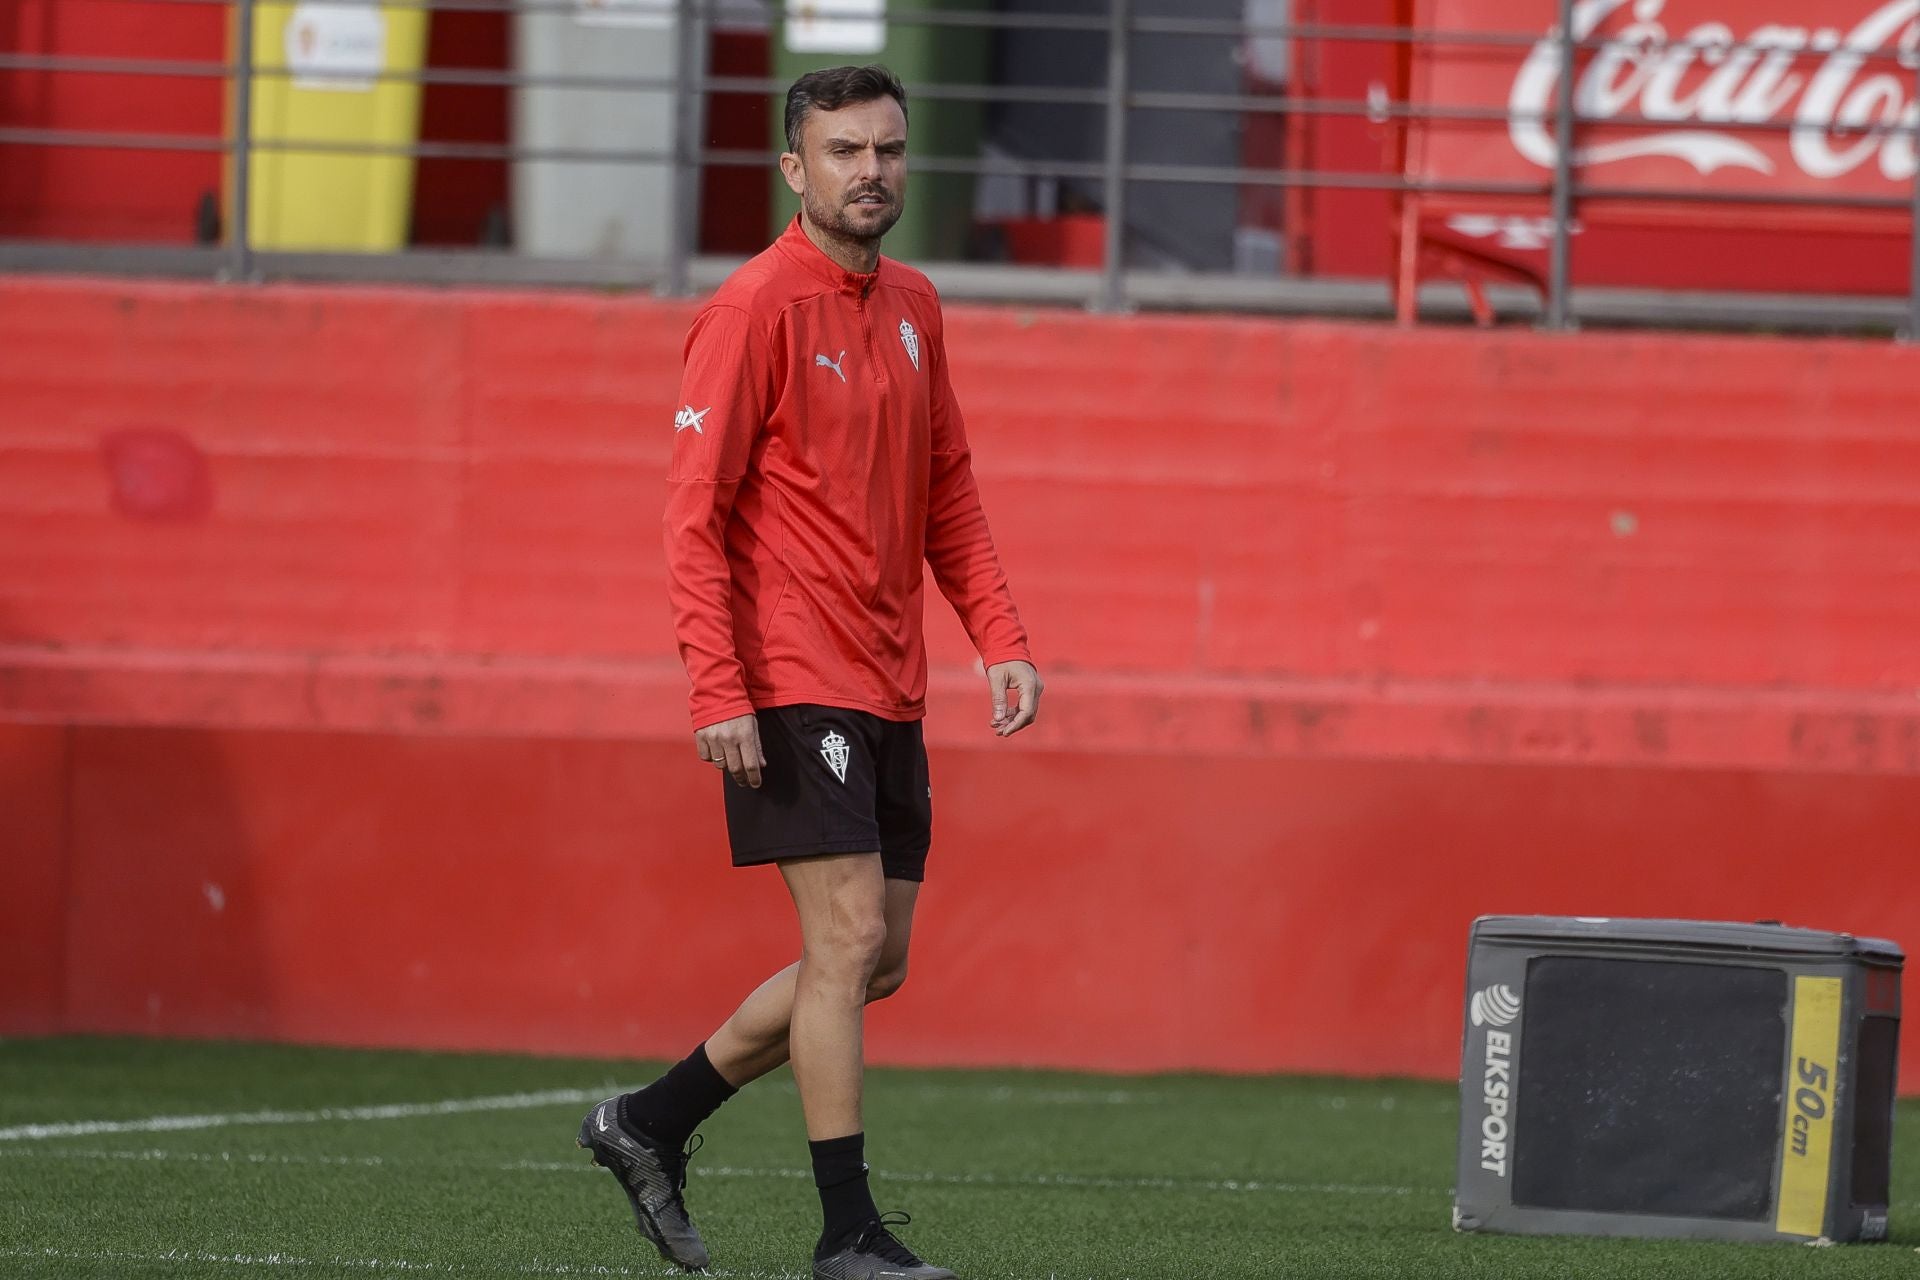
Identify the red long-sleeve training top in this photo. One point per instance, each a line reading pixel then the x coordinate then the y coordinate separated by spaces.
pixel 819 457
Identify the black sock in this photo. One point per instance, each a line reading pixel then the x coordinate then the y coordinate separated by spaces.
pixel 840 1171
pixel 672 1107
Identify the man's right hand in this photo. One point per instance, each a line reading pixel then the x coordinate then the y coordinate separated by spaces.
pixel 733 745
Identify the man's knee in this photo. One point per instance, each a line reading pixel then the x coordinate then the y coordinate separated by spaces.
pixel 852 943
pixel 888 978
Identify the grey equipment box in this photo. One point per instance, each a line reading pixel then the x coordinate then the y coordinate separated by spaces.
pixel 1676 1078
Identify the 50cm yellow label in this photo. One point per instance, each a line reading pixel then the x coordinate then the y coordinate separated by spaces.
pixel 1806 1146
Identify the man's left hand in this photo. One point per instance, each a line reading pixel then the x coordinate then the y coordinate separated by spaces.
pixel 1016 696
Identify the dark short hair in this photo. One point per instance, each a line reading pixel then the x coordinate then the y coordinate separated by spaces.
pixel 832 88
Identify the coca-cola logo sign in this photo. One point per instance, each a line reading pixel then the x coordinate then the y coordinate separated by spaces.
pixel 1847 93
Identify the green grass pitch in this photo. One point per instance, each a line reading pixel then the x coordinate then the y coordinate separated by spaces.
pixel 319 1163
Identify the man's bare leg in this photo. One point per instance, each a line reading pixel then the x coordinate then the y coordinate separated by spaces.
pixel 843 930
pixel 843 926
pixel 754 1040
pixel 835 904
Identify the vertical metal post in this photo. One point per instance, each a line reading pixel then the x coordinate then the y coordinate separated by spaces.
pixel 689 82
pixel 239 239
pixel 1913 229
pixel 1113 289
pixel 1560 269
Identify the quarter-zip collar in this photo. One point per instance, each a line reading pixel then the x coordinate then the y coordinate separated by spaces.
pixel 806 254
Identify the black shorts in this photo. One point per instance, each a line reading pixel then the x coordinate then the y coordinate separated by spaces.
pixel 836 781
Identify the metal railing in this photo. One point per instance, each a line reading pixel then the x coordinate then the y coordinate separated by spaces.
pixel 1117 285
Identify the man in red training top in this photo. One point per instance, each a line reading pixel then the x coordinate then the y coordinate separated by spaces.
pixel 819 458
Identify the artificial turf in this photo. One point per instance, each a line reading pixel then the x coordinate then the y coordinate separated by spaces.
pixel 1009 1175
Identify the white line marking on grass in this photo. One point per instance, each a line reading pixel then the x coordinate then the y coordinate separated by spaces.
pixel 204 1257
pixel 389 1111
pixel 1040 1097
pixel 509 1102
pixel 546 1098
pixel 276 1259
pixel 1004 1093
pixel 1072 1181
pixel 1069 1181
pixel 160 1155
pixel 1078 1182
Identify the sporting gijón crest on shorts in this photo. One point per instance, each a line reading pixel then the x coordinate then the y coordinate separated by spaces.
pixel 819 459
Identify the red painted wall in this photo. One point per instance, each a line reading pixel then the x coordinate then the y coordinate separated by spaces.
pixel 96 193
pixel 1124 911
pixel 34 808
pixel 351 599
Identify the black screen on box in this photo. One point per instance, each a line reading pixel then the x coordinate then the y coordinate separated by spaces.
pixel 1649 1086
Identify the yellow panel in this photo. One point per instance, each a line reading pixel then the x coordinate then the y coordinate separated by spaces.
pixel 1806 1150
pixel 313 200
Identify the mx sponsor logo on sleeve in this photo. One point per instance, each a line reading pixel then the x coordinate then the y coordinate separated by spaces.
pixel 1496 1009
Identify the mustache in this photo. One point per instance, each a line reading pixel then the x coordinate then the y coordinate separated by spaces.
pixel 882 192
